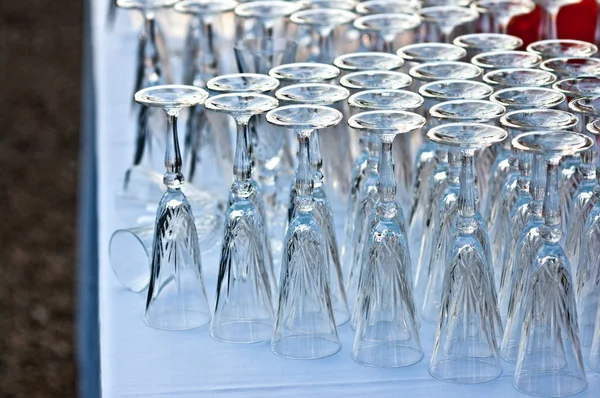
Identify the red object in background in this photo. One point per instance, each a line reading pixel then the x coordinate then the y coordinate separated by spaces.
pixel 576 21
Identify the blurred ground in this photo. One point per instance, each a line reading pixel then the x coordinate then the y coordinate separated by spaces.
pixel 40 62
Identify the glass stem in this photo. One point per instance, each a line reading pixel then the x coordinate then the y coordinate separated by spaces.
pixel 304 174
pixel 552 230
pixel 454 166
pixel 552 24
pixel 467 195
pixel 173 178
pixel 326 48
pixel 537 186
pixel 386 184
pixel 597 31
pixel 151 54
pixel 316 159
pixel 373 145
pixel 523 182
pixel 242 167
pixel 205 60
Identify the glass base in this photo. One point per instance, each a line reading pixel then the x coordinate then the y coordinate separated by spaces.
pixel 176 319
pixel 305 346
pixel 243 331
pixel 550 384
pixel 466 371
pixel 387 355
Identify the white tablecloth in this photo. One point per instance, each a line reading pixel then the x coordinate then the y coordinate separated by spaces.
pixel 138 361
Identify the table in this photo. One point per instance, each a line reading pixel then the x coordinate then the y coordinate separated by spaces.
pixel 138 361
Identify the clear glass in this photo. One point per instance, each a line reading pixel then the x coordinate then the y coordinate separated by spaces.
pixel 245 287
pixel 264 18
pixel 549 360
pixel 387 7
pixel 259 55
pixel 339 4
pixel 305 323
pixel 176 294
pixel 370 80
pixel 320 94
pixel 470 111
pixel 515 98
pixel 503 11
pixel 578 87
pixel 243 83
pixel 368 61
pixel 304 72
pixel 386 317
pixel 477 43
pixel 320 25
pixel 562 48
pixel 386 28
pixel 509 212
pixel 506 60
pixel 567 67
pixel 465 349
pixel 517 77
pixel 583 246
pixel 443 70
pixel 440 21
pixel 130 250
pixel 595 351
pixel 550 9
pixel 415 54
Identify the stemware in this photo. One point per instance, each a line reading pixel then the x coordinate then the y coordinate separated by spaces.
pixel 549 360
pixel 304 72
pixel 387 325
pixel 260 54
pixel 477 43
pixel 320 94
pixel 176 294
pixel 348 5
pixel 503 11
pixel 368 61
pixel 244 304
pixel 386 28
pixel 567 67
pixel 468 111
pixel 305 324
pixel 506 60
pixel 587 283
pixel 548 49
pixel 517 77
pixel 440 21
pixel 321 23
pixel 264 18
pixel 387 7
pixel 513 211
pixel 375 79
pixel 443 70
pixel 242 83
pixel 465 349
pixel 419 53
pixel 548 28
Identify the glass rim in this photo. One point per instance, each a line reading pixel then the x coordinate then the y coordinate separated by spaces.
pixel 416 72
pixel 506 122
pixel 404 53
pixel 461 41
pixel 477 59
pixel 498 110
pixel 354 98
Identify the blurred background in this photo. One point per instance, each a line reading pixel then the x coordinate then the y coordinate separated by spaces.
pixel 40 80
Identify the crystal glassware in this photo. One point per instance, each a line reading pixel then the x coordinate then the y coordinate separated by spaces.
pixel 465 349
pixel 320 94
pixel 387 324
pixel 348 5
pixel 305 323
pixel 457 111
pixel 320 23
pixel 503 11
pixel 506 60
pixel 368 61
pixel 386 28
pixel 517 77
pixel 440 21
pixel 245 286
pixel 176 294
pixel 567 67
pixel 260 54
pixel 304 72
pixel 513 211
pixel 587 248
pixel 443 70
pixel 477 43
pixel 548 49
pixel 264 18
pixel 415 54
pixel 548 27
pixel 549 360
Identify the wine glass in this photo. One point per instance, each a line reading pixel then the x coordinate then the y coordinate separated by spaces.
pixel 244 303
pixel 548 27
pixel 567 67
pixel 477 43
pixel 548 49
pixel 549 360
pixel 513 211
pixel 506 60
pixel 517 77
pixel 387 325
pixel 371 7
pixel 503 11
pixel 443 70
pixel 465 349
pixel 375 79
pixel 305 324
pixel 176 294
pixel 440 21
pixel 264 18
pixel 320 94
pixel 320 23
pixel 386 28
pixel 304 72
pixel 368 61
pixel 348 5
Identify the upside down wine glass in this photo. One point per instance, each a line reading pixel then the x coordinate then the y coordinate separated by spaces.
pixel 246 283
pixel 549 361
pixel 518 77
pixel 506 59
pixel 465 349
pixel 176 294
pixel 320 94
pixel 386 318
pixel 440 21
pixel 562 48
pixel 503 11
pixel 548 26
pixel 386 28
pixel 305 323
